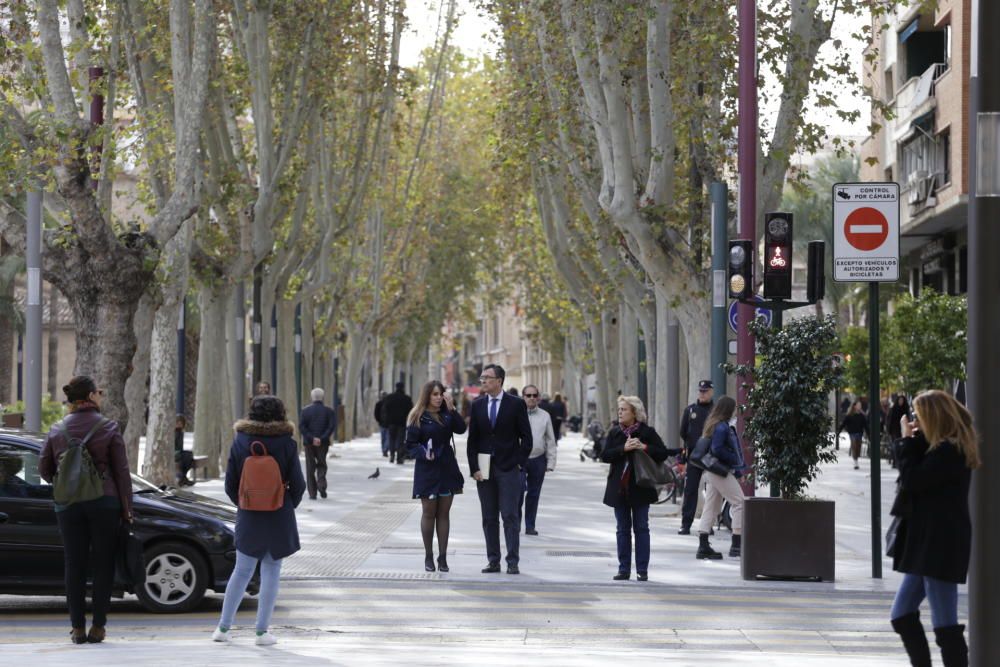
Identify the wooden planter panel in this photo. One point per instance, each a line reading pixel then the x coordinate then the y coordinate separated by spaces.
pixel 788 539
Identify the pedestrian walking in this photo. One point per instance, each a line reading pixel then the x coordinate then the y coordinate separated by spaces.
pixel 933 538
pixel 498 446
pixel 395 409
pixel 558 411
pixel 430 430
pixel 317 424
pixel 856 425
pixel 692 424
pixel 91 501
pixel 383 431
pixel 726 448
pixel 183 458
pixel 542 458
pixel 263 537
pixel 630 501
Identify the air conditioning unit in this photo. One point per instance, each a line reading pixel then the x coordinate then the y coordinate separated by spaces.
pixel 918 175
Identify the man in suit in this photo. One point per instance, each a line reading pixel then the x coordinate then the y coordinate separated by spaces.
pixel 499 428
pixel 317 424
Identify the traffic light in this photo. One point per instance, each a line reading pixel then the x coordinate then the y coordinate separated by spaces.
pixel 778 256
pixel 740 269
pixel 816 272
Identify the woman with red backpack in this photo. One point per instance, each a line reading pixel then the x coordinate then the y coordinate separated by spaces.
pixel 264 479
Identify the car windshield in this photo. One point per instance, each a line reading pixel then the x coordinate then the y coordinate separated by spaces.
pixel 139 485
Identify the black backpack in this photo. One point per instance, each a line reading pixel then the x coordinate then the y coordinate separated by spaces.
pixel 77 479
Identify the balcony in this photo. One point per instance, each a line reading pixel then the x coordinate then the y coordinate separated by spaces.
pixel 916 98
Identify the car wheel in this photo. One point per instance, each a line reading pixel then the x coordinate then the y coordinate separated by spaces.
pixel 176 578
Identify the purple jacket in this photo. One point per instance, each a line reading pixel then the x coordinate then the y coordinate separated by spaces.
pixel 106 447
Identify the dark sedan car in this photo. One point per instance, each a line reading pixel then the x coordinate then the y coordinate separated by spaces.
pixel 188 539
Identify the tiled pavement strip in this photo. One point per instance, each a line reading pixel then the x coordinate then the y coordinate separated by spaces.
pixel 357 587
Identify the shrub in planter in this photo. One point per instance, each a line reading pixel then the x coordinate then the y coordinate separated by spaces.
pixel 790 432
pixel 790 424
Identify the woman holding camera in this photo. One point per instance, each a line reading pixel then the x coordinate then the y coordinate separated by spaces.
pixel 630 501
pixel 936 456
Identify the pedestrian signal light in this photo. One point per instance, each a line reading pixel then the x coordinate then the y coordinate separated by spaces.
pixel 740 269
pixel 778 256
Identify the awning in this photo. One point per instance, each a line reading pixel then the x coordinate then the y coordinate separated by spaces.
pixel 908 31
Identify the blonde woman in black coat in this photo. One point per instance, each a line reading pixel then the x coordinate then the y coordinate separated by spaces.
pixel 630 501
pixel 937 453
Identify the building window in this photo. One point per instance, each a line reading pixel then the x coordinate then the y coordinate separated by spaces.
pixel 944 157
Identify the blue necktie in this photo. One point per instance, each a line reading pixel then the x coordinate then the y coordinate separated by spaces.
pixel 493 411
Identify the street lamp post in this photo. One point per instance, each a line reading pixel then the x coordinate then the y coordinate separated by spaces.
pixel 984 328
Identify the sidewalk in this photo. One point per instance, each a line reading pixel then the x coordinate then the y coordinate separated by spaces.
pixel 357 592
pixel 577 532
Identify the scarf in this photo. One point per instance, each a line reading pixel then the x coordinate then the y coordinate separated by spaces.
pixel 81 406
pixel 627 472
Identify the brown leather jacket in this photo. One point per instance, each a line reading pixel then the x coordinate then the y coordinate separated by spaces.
pixel 106 447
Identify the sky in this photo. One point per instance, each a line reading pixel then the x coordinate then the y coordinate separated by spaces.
pixel 472 36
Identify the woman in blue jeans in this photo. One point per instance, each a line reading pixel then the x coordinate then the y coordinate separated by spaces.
pixel 630 501
pixel 262 537
pixel 936 455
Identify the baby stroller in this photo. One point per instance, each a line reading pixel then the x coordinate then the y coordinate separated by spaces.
pixel 596 434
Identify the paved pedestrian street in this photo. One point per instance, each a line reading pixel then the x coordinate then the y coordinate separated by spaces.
pixel 357 594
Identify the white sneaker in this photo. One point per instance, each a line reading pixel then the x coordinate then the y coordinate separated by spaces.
pixel 266 639
pixel 220 636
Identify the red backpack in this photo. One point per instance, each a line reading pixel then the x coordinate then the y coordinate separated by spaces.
pixel 261 486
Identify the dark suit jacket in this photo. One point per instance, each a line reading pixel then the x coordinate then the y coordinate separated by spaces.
pixel 317 421
pixel 509 441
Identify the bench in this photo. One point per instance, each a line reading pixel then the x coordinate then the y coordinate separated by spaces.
pixel 199 462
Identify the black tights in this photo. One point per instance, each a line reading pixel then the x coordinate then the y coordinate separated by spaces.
pixel 435 512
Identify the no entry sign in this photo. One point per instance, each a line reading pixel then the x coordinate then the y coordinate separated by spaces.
pixel 866 232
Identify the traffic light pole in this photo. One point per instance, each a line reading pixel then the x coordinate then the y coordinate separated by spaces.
pixel 747 168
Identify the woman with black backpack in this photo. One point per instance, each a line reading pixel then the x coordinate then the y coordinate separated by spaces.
pixel 84 458
pixel 264 479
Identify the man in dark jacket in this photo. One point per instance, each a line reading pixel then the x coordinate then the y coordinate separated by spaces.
pixel 395 409
pixel 498 447
pixel 692 423
pixel 382 429
pixel 316 424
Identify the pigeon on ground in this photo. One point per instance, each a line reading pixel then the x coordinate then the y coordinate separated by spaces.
pixel 374 475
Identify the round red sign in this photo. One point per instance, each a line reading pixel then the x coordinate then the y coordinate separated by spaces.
pixel 866 228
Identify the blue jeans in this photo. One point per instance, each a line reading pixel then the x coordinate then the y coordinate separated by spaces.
pixel 270 573
pixel 535 474
pixel 385 440
pixel 942 596
pixel 633 519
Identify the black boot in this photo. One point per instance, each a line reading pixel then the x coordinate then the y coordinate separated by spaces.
pixel 736 546
pixel 954 651
pixel 705 551
pixel 911 631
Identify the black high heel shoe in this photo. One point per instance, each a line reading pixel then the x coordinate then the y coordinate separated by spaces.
pixel 442 564
pixel 429 564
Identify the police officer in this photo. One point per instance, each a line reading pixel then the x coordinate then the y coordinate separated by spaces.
pixel 692 424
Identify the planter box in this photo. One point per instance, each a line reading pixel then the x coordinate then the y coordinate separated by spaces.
pixel 13 420
pixel 788 539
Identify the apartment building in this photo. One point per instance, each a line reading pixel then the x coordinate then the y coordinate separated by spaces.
pixel 920 70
